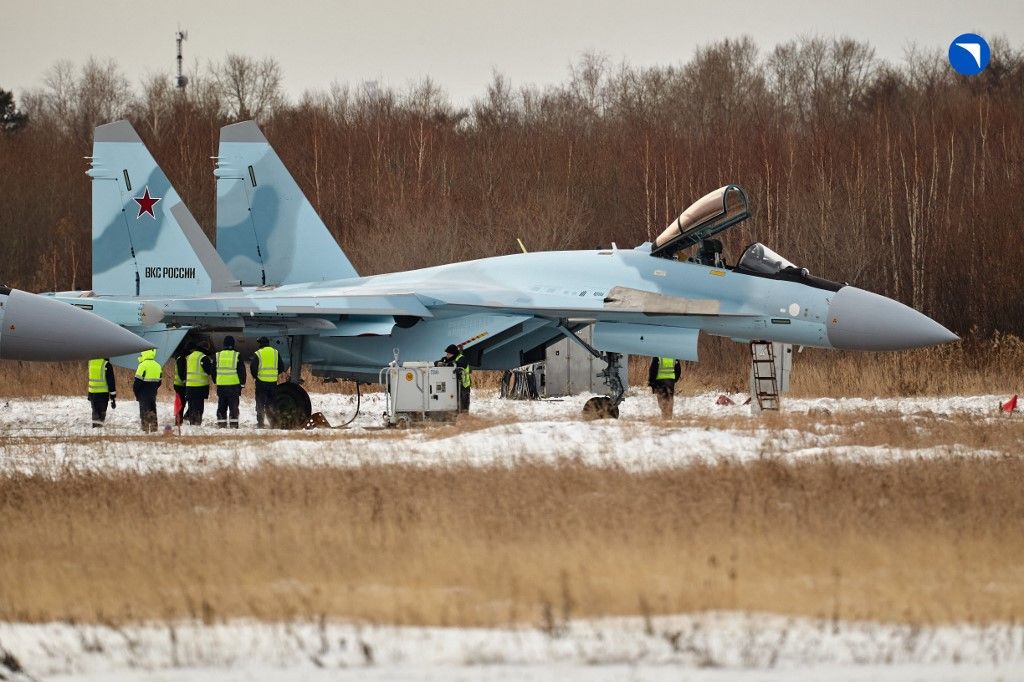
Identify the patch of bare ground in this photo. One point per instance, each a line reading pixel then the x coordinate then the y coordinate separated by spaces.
pixel 918 541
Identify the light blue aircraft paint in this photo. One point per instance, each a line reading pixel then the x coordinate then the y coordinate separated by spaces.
pixel 267 231
pixel 277 272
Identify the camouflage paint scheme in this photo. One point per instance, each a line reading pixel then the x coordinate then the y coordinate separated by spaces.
pixel 278 272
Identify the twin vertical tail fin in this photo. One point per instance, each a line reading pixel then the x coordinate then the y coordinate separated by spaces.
pixel 145 241
pixel 267 231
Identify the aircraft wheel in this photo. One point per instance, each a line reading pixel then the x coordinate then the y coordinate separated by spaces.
pixel 292 407
pixel 600 407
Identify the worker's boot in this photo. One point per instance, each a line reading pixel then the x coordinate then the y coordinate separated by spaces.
pixel 665 404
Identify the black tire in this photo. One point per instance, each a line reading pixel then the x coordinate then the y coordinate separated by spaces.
pixel 291 408
pixel 600 407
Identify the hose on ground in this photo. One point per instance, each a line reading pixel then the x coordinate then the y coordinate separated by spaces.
pixel 358 401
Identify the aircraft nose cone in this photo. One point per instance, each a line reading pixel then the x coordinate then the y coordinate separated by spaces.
pixel 39 328
pixel 861 320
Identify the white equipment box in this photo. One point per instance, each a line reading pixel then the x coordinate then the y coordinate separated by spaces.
pixel 417 391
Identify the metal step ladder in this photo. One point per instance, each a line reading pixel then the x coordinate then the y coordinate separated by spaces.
pixel 766 385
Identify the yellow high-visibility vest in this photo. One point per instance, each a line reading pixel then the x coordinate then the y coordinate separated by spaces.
pixel 178 380
pixel 194 374
pixel 466 379
pixel 98 376
pixel 666 369
pixel 149 369
pixel 227 368
pixel 267 358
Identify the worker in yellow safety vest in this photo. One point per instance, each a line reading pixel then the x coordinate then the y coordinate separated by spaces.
pixel 102 389
pixel 662 378
pixel 196 367
pixel 266 367
pixel 230 378
pixel 147 383
pixel 453 357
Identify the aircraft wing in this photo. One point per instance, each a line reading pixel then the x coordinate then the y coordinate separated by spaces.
pixel 422 300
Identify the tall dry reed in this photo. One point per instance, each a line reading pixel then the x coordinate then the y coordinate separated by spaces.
pixel 915 541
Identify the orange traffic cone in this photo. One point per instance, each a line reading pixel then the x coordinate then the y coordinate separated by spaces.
pixel 1010 405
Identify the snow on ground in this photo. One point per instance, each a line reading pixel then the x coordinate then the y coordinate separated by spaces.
pixel 52 434
pixel 712 646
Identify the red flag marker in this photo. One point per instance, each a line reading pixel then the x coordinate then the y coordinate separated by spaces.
pixel 1010 405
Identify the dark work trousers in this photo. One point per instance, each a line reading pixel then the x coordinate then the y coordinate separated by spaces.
pixel 147 407
pixel 227 404
pixel 99 403
pixel 180 416
pixel 665 391
pixel 464 398
pixel 196 397
pixel 265 393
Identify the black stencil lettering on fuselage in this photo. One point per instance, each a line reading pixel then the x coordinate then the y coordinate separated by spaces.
pixel 170 272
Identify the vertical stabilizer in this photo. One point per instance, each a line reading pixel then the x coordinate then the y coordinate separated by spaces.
pixel 145 241
pixel 267 231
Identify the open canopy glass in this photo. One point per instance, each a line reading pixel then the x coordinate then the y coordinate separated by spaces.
pixel 704 218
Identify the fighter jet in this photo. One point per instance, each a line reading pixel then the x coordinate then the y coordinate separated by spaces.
pixel 277 272
pixel 38 328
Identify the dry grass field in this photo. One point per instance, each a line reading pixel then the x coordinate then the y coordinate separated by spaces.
pixel 994 365
pixel 919 541
pixel 915 540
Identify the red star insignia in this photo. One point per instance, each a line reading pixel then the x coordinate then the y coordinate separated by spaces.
pixel 146 204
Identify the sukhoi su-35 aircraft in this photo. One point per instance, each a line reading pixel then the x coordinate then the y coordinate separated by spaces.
pixel 277 272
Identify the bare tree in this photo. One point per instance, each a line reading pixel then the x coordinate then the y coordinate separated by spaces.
pixel 820 79
pixel 250 88
pixel 77 103
pixel 156 102
pixel 498 106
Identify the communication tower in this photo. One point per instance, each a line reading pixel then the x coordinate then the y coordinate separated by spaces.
pixel 182 81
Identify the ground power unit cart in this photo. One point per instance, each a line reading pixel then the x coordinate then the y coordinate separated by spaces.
pixel 418 391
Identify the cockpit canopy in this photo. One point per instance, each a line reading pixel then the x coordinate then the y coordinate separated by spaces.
pixel 704 218
pixel 759 259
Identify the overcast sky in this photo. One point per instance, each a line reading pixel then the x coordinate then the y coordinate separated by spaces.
pixel 458 44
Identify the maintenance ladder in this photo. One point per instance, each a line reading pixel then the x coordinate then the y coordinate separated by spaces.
pixel 766 385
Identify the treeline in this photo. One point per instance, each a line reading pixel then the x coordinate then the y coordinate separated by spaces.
pixel 905 179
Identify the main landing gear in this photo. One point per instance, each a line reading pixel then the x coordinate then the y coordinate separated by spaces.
pixel 292 407
pixel 602 407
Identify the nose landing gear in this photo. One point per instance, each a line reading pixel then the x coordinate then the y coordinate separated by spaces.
pixel 601 407
pixel 607 407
